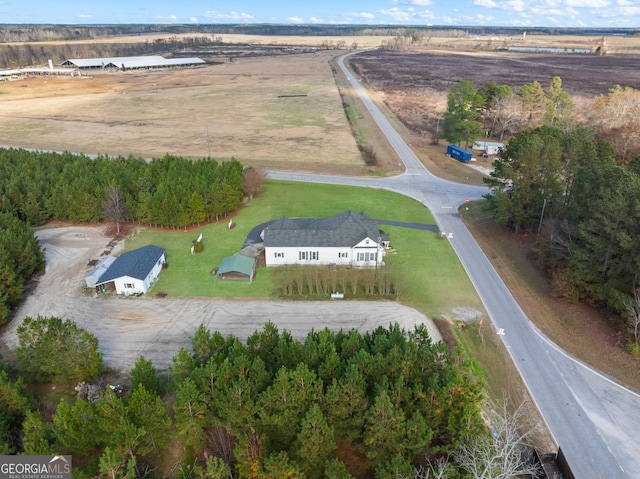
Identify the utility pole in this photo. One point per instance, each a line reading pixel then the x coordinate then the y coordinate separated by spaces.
pixel 208 142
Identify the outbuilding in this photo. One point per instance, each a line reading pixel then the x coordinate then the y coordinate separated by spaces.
pixel 490 148
pixel 237 266
pixel 131 63
pixel 92 278
pixel 135 271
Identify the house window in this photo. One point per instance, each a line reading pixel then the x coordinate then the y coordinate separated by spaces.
pixel 343 255
pixel 128 285
pixel 279 255
pixel 308 255
pixel 302 255
pixel 313 255
pixel 367 257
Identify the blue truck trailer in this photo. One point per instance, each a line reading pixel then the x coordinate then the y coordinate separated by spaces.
pixel 459 154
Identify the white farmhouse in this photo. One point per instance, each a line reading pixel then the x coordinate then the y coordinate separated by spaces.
pixel 346 239
pixel 135 271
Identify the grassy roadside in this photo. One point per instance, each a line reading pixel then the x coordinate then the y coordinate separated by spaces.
pixel 364 128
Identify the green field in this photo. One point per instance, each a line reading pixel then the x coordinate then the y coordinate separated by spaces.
pixel 430 276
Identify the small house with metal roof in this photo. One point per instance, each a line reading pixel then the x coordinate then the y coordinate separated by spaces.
pixel 135 271
pixel 348 238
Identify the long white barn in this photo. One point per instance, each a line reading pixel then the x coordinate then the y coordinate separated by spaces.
pixel 346 239
pixel 130 63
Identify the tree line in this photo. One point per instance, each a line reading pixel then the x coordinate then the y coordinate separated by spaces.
pixel 583 207
pixel 170 192
pixel 377 403
pixel 20 257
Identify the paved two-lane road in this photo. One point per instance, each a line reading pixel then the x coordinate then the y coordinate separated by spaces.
pixel 593 419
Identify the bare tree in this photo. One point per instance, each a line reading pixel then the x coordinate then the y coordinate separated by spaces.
pixel 253 180
pixel 632 306
pixel 114 207
pixel 502 454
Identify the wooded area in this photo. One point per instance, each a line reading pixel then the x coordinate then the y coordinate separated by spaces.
pixel 335 405
pixel 20 257
pixel 170 192
pixel 583 207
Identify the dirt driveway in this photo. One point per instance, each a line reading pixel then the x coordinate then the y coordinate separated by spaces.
pixel 157 328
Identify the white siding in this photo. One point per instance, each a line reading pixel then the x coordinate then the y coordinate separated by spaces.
pixel 127 285
pixel 338 255
pixel 292 255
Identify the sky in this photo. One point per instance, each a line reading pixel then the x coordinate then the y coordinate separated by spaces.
pixel 509 13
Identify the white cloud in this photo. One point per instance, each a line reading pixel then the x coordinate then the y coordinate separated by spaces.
pixel 193 19
pixel 421 3
pixel 84 15
pixel 625 3
pixel 588 3
pixel 426 14
pixel 397 14
pixel 366 15
pixel 316 20
pixel 295 20
pixel 173 18
pixel 227 16
pixel 515 5
pixel 485 3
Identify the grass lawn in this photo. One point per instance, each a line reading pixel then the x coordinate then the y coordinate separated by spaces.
pixel 430 276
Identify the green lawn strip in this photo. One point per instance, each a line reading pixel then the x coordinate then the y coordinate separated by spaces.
pixel 431 278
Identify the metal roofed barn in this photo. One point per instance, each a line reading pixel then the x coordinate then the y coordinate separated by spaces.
pixel 126 63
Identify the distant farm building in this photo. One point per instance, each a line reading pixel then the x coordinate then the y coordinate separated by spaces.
pixel 489 147
pixel 130 63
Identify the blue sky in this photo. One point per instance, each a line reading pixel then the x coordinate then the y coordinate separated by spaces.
pixel 515 13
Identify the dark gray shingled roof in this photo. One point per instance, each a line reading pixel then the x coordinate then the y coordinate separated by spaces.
pixel 346 229
pixel 136 264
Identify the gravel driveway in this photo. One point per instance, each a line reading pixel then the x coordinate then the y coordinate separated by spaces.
pixel 157 328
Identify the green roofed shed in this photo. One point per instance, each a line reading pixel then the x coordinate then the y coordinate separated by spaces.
pixel 237 267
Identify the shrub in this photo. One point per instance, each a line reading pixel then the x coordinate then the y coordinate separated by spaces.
pixel 198 247
pixel 633 348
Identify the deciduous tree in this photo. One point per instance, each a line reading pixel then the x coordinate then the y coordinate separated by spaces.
pixel 115 207
pixel 463 109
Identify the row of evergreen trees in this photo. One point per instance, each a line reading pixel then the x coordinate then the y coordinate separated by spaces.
pixel 170 192
pixel 20 257
pixel 333 405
